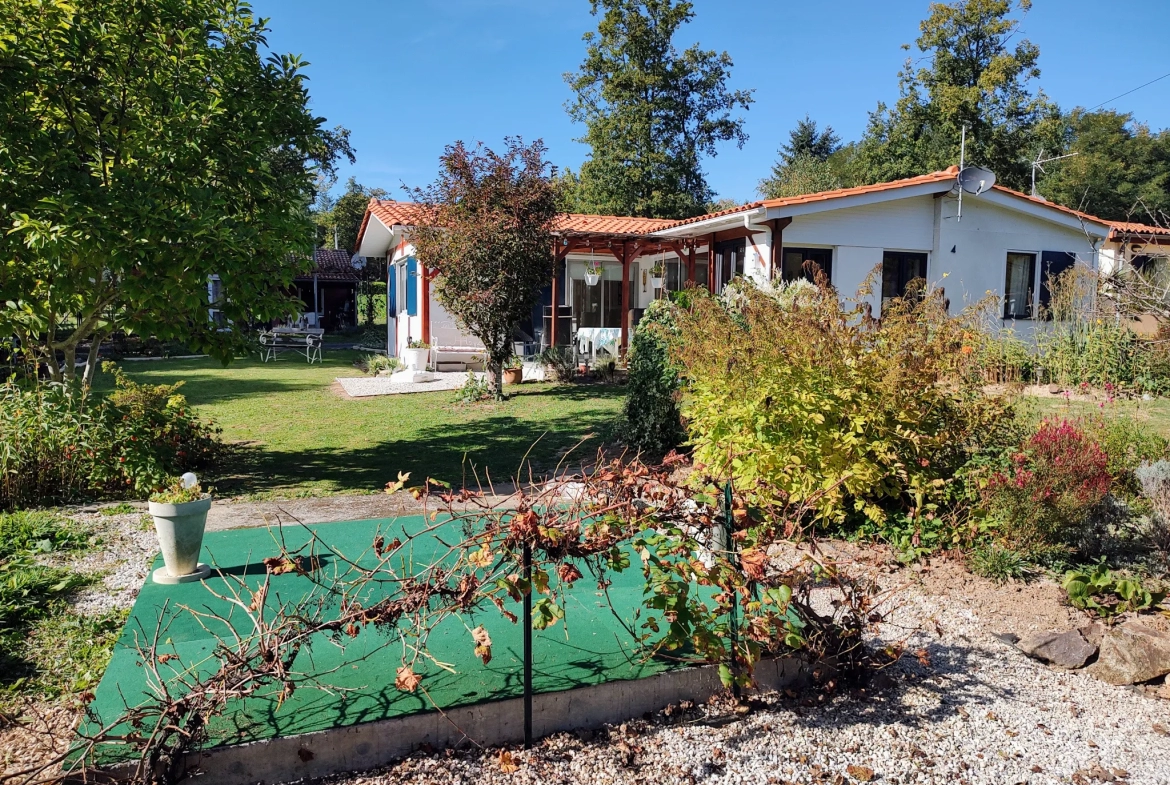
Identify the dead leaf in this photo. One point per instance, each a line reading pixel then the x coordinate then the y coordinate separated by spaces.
pixel 568 573
pixel 165 658
pixel 407 680
pixel 507 763
pixel 753 561
pixel 860 773
pixel 481 559
pixel 483 644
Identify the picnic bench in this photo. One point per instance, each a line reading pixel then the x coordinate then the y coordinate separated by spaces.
pixel 305 341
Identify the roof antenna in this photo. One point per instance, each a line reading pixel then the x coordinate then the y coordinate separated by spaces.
pixel 1039 164
pixel 962 165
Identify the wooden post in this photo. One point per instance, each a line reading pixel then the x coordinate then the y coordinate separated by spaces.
pixel 691 261
pixel 776 262
pixel 711 263
pixel 625 260
pixel 424 307
pixel 556 293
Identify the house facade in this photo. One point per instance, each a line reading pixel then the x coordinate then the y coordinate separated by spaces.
pixel 605 270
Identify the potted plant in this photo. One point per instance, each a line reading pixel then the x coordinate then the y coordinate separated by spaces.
pixel 514 370
pixel 593 273
pixel 180 516
pixel 415 355
pixel 657 273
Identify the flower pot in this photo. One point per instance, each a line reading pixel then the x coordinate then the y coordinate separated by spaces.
pixel 591 279
pixel 513 375
pixel 655 282
pixel 416 359
pixel 180 537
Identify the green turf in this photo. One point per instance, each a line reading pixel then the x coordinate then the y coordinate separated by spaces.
pixel 593 647
pixel 304 438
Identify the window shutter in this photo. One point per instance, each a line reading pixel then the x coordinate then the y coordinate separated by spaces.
pixel 411 287
pixel 391 291
pixel 1052 264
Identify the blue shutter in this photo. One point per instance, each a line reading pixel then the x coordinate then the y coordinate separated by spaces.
pixel 411 287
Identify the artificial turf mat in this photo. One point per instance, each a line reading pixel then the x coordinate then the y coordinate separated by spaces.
pixel 594 647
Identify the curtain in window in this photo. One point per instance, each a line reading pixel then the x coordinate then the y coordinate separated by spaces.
pixel 1017 300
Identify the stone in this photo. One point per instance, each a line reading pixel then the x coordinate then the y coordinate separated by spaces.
pixel 1133 653
pixel 1093 633
pixel 1062 649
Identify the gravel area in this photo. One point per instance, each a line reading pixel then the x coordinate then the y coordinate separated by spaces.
pixel 365 386
pixel 966 709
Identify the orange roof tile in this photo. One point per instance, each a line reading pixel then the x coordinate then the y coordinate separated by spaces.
pixel 610 224
pixel 1121 229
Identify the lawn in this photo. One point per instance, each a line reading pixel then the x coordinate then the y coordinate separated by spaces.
pixel 299 435
pixel 1155 413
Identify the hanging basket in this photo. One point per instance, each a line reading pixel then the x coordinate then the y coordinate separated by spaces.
pixel 591 279
pixel 655 282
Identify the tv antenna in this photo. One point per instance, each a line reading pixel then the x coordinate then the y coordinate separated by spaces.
pixel 974 180
pixel 1039 164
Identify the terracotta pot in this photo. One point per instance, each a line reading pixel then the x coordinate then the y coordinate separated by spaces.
pixel 513 375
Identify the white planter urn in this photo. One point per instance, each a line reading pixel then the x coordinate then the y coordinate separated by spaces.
pixel 416 359
pixel 180 538
pixel 655 282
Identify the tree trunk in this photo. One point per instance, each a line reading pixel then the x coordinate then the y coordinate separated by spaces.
pixel 495 373
pixel 91 362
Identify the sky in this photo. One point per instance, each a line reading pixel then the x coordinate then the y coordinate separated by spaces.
pixel 408 77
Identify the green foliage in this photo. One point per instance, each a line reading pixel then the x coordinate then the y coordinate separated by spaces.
pixel 339 220
pixel 1128 443
pixel 474 390
pixel 27 587
pixel 63 653
pixel 175 492
pixel 376 363
pixel 820 405
pixel 1101 591
pixel 998 564
pixel 651 421
pixel 804 165
pixel 975 71
pixel 485 236
pixel 57 445
pixel 558 363
pixel 652 113
pixel 1121 171
pixel 148 145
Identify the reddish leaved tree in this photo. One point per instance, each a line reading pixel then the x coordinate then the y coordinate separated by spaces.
pixel 486 237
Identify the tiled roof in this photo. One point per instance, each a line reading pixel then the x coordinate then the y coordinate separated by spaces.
pixel 610 224
pixel 330 265
pixel 1123 229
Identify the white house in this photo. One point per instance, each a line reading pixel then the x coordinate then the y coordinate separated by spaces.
pixel 1003 243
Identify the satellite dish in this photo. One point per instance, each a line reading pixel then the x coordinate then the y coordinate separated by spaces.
pixel 357 262
pixel 976 180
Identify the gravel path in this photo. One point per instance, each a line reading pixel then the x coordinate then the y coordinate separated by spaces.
pixel 973 710
pixel 365 386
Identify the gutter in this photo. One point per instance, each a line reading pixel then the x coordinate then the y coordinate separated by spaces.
pixel 703 227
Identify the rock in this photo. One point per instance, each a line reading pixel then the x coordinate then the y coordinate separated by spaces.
pixel 1063 649
pixel 1093 633
pixel 1009 638
pixel 1133 653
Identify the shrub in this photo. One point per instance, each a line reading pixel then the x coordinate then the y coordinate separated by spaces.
pixel 60 445
pixel 474 389
pixel 998 564
pixel 808 400
pixel 1101 591
pixel 558 363
pixel 1129 444
pixel 376 363
pixel 651 422
pixel 1154 480
pixel 1044 498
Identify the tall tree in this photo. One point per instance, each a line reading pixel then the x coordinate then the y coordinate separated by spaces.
pixel 975 73
pixel 803 164
pixel 347 214
pixel 147 145
pixel 1121 170
pixel 651 112
pixel 485 235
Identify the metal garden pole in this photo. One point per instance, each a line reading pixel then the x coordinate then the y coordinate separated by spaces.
pixel 728 522
pixel 528 647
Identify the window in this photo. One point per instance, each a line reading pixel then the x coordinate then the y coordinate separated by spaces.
pixel 729 260
pixel 1020 283
pixel 794 259
pixel 599 305
pixel 701 270
pixel 899 268
pixel 676 274
pixel 1052 265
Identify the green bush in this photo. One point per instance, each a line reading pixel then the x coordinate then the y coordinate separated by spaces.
pixel 60 445
pixel 811 403
pixel 651 422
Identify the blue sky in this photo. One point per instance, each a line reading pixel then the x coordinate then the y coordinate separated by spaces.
pixel 409 77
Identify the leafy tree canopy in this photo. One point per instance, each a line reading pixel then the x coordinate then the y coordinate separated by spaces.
pixel 339 220
pixel 974 72
pixel 485 236
pixel 1121 170
pixel 147 145
pixel 804 174
pixel 806 139
pixel 651 112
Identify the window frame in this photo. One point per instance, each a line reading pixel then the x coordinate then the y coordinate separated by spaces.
pixel 785 249
pixel 902 279
pixel 1032 293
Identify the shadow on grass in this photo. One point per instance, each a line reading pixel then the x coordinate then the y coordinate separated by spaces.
pixel 495 446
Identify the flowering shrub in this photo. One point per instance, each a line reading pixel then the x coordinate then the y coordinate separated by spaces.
pixel 1044 497
pixel 61 445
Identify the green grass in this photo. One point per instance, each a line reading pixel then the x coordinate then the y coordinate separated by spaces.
pixel 301 437
pixel 1155 413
